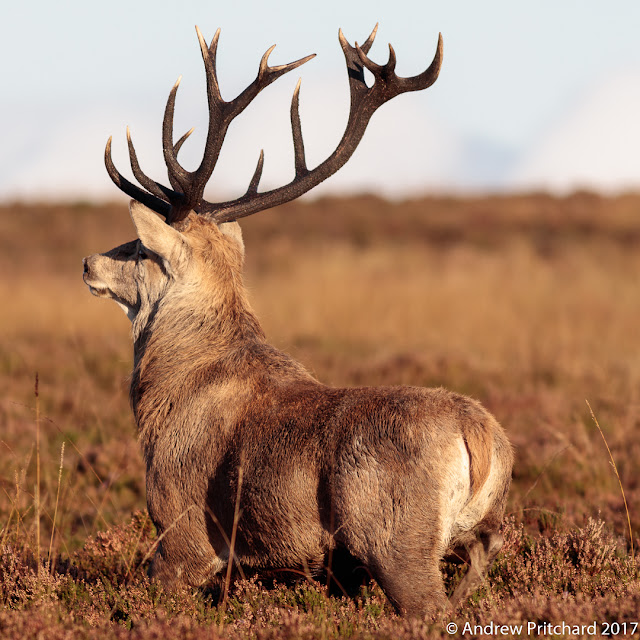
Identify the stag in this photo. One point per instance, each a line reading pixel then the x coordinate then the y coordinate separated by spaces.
pixel 250 460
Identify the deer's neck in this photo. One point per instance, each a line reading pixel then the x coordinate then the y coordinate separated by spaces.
pixel 181 334
pixel 186 349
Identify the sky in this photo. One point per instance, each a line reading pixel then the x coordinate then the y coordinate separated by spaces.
pixel 540 95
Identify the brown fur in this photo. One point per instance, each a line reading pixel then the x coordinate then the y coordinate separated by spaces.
pixel 479 443
pixel 391 476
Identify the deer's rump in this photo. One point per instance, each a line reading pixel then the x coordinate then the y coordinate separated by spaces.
pixel 350 467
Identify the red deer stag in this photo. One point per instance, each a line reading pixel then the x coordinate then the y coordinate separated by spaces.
pixel 387 478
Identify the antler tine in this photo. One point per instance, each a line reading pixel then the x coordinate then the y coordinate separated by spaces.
pixel 377 69
pixel 217 126
pixel 178 145
pixel 253 185
pixel 150 185
pixel 264 61
pixel 266 75
pixel 178 176
pixel 149 200
pixel 278 70
pixel 391 64
pixel 369 41
pixel 209 55
pixel 427 77
pixel 296 128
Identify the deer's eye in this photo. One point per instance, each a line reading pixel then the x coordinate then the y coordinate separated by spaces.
pixel 141 252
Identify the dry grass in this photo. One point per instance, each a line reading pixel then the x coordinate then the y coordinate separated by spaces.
pixel 528 303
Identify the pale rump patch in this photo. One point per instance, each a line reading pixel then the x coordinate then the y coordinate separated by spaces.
pixel 479 505
pixel 455 491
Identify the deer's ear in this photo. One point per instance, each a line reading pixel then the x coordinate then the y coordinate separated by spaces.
pixel 233 230
pixel 160 238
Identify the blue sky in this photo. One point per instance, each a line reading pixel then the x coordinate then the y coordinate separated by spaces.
pixel 542 95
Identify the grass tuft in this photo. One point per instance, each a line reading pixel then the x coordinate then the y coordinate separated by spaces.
pixel 615 469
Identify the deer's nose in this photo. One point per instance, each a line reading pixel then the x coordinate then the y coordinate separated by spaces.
pixel 85 265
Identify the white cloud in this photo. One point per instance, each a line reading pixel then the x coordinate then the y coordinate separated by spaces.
pixel 407 149
pixel 595 144
pixel 57 158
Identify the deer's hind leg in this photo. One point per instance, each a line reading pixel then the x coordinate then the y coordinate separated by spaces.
pixel 482 553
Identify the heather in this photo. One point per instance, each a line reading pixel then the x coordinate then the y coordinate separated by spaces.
pixel 528 303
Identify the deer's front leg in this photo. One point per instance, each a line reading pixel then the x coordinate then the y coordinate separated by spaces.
pixel 184 557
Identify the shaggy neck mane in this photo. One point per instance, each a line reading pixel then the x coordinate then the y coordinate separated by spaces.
pixel 185 343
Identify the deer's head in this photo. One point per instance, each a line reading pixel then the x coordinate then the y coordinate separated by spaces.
pixel 167 261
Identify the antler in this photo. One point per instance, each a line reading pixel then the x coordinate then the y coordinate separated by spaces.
pixel 188 187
